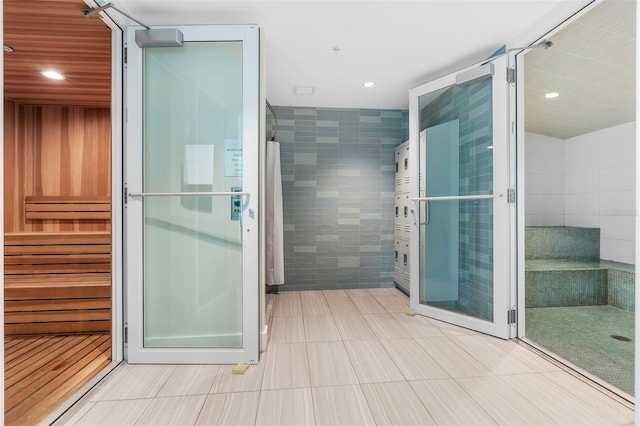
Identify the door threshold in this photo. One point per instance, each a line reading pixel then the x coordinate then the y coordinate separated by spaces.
pixel 68 405
pixel 580 373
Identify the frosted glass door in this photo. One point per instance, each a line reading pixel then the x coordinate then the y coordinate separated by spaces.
pixel 461 212
pixel 192 194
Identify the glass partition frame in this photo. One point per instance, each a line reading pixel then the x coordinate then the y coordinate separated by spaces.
pixel 496 322
pixel 141 350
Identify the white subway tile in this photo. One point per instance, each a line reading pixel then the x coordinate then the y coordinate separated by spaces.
pixel 618 227
pixel 581 182
pixel 620 178
pixel 617 250
pixel 584 220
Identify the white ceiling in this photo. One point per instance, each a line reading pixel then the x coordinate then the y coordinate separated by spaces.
pixel 397 44
pixel 592 66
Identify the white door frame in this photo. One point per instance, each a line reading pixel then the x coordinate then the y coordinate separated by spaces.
pixel 503 287
pixel 136 352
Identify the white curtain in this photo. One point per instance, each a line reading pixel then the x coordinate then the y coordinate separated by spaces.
pixel 274 225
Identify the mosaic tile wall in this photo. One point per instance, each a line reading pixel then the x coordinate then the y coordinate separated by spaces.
pixel 578 287
pixel 470 103
pixel 562 242
pixel 338 190
pixel 584 280
pixel 621 286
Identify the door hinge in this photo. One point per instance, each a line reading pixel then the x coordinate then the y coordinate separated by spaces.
pixel 125 195
pixel 511 75
pixel 125 55
pixel 511 316
pixel 126 334
pixel 511 195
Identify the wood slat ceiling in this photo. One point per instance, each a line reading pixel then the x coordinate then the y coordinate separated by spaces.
pixel 53 34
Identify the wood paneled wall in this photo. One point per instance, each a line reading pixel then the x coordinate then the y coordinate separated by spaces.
pixel 54 151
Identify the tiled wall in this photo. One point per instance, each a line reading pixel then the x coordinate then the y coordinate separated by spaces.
pixel 338 191
pixel 600 188
pixel 621 289
pixel 471 105
pixel 574 287
pixel 562 243
pixel 544 180
pixel 583 279
pixel 587 181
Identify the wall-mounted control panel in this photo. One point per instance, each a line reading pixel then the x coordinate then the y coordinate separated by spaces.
pixel 236 204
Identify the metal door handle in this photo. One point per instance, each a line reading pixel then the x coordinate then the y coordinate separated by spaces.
pixel 427 214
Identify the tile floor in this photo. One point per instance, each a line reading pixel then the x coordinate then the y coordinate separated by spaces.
pixel 582 335
pixel 353 357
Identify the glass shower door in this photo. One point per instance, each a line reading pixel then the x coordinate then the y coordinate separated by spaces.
pixel 461 211
pixel 192 208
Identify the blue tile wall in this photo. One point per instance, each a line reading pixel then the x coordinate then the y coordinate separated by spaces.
pixel 338 195
pixel 471 104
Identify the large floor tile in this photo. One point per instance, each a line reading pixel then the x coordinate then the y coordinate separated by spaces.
pixel 368 305
pixel 320 328
pixel 329 364
pixel 564 407
pixel 134 382
pixel 285 407
pixel 396 404
pixel 449 404
pixel 502 402
pixel 251 380
pixel 174 410
pixel 353 327
pixel 614 410
pixel 452 358
pixel 190 380
pixel 497 354
pixel 371 362
pixel 450 329
pixel 342 306
pixel 412 361
pixel 286 306
pixel 393 303
pixel 315 306
pixel 331 294
pixel 229 409
pixel 385 327
pixel 417 325
pixel 341 405
pixel 109 413
pixel 531 358
pixel 286 366
pixel 358 292
pixel 286 330
pixel 386 291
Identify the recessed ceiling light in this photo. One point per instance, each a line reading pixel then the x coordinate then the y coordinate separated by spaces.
pixel 53 75
pixel 303 90
pixel 552 95
pixel 369 83
pixel 7 48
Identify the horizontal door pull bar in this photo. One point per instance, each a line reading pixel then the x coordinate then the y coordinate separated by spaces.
pixel 459 197
pixel 188 194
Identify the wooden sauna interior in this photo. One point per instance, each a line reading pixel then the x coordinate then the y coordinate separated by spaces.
pixel 57 204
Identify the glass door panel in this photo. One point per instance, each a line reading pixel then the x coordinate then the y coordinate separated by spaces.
pixel 192 157
pixel 462 177
pixel 192 244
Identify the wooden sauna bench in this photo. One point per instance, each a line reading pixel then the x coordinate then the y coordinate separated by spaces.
pixel 57 282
